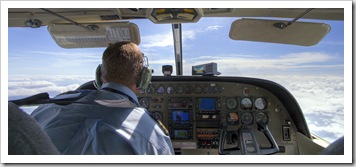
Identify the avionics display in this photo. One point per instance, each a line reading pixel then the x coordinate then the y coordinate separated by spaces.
pixel 198 70
pixel 207 104
pixel 180 134
pixel 205 69
pixel 180 117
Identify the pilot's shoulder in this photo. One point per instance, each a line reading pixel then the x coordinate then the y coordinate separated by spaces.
pixel 155 121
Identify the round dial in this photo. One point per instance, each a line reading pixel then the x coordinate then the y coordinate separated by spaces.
pixel 246 118
pixel 208 89
pixel 180 89
pixel 157 115
pixel 198 89
pixel 231 103
pixel 188 90
pixel 160 90
pixel 151 89
pixel 260 103
pixel 170 89
pixel 217 90
pixel 261 117
pixel 246 103
pixel 232 118
pixel 144 102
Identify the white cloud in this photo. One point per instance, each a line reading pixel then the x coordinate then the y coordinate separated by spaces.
pixel 20 87
pixel 84 55
pixel 165 39
pixel 157 40
pixel 189 35
pixel 245 62
pixel 162 61
pixel 56 59
pixel 52 89
pixel 321 99
pixel 213 28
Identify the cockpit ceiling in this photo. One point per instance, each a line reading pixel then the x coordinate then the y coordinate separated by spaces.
pixel 17 16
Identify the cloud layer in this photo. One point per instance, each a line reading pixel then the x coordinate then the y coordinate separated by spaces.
pixel 321 99
pixel 23 86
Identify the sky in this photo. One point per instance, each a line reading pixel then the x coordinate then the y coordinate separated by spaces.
pixel 36 47
pixel 314 75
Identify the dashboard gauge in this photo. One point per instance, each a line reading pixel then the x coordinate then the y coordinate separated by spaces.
pixel 160 90
pixel 157 115
pixel 180 89
pixel 260 103
pixel 246 118
pixel 208 89
pixel 261 117
pixel 232 118
pixel 170 89
pixel 231 103
pixel 188 90
pixel 217 90
pixel 198 89
pixel 151 89
pixel 246 103
pixel 144 102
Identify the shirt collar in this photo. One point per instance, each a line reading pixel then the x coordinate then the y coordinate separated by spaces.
pixel 122 88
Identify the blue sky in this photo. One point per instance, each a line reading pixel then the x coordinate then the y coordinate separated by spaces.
pixel 32 51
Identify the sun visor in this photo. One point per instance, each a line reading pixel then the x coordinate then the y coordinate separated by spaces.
pixel 297 33
pixel 93 35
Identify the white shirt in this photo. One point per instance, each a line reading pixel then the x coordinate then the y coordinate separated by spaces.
pixel 103 122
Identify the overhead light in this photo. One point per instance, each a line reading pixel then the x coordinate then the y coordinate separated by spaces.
pixel 160 11
pixel 174 15
pixel 135 9
pixel 162 17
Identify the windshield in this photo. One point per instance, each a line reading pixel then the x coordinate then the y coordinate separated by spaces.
pixel 314 75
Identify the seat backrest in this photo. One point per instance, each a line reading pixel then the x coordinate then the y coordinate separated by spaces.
pixel 25 136
pixel 335 148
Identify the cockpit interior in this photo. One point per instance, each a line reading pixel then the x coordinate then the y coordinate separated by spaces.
pixel 204 113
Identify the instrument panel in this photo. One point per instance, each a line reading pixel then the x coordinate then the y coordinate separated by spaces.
pixel 195 111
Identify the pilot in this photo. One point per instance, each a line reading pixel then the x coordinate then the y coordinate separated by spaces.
pixel 109 120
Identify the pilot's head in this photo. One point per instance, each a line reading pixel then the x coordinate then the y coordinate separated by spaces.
pixel 122 63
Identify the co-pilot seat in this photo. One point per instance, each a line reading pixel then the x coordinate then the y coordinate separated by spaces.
pixel 25 136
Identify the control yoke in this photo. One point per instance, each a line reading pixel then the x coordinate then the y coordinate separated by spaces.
pixel 248 144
